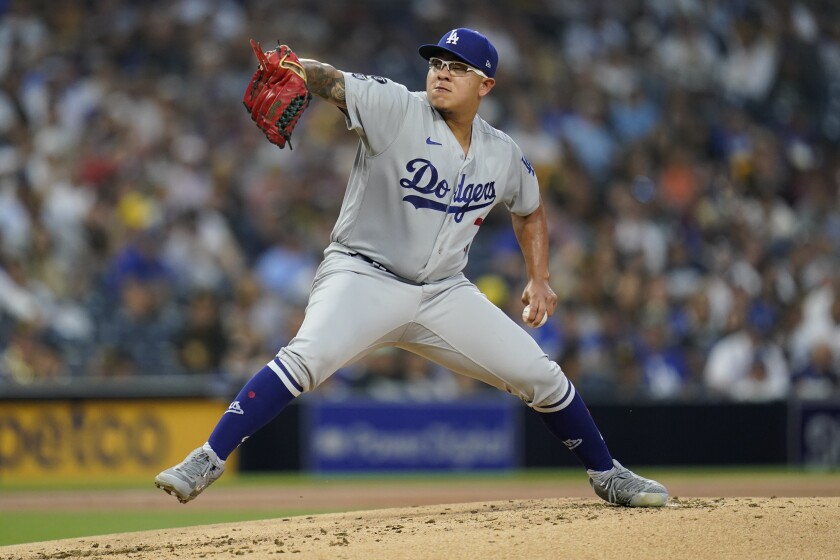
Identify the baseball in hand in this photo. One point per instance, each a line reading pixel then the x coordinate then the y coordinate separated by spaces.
pixel 527 311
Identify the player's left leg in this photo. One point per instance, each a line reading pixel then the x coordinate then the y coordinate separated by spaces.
pixel 463 331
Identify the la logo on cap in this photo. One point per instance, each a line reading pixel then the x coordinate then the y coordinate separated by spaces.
pixel 468 45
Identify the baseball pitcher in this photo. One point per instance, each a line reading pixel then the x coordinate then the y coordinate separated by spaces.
pixel 427 172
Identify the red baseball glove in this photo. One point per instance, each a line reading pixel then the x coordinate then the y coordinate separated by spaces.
pixel 277 93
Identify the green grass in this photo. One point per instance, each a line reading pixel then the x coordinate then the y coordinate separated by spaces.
pixel 33 526
pixel 253 480
pixel 25 527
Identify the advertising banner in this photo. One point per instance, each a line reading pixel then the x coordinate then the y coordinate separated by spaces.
pixel 85 439
pixel 353 436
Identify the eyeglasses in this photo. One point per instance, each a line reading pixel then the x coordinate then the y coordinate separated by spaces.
pixel 457 69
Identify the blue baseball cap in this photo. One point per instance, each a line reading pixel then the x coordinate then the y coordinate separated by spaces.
pixel 470 46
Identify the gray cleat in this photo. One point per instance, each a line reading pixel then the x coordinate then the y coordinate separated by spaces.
pixel 623 487
pixel 189 478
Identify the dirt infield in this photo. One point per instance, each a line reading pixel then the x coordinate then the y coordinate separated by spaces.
pixel 483 520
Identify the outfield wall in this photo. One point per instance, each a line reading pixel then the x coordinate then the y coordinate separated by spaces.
pixel 101 429
pixel 637 433
pixel 91 439
pixel 136 429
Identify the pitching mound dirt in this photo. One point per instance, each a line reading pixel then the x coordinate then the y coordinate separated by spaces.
pixel 689 528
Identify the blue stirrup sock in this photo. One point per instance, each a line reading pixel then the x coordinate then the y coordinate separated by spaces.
pixel 260 400
pixel 575 427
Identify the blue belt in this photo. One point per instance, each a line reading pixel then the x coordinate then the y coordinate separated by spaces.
pixel 382 267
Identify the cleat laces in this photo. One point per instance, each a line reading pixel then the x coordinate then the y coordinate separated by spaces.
pixel 626 483
pixel 622 486
pixel 198 470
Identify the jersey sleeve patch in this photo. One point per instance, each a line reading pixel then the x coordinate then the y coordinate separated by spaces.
pixel 528 167
pixel 374 105
pixel 365 77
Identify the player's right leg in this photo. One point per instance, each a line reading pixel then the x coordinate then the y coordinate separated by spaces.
pixel 190 477
pixel 261 399
pixel 353 307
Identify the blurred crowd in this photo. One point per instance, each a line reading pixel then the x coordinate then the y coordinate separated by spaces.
pixel 687 152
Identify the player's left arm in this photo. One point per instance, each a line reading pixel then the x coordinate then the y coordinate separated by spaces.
pixel 532 235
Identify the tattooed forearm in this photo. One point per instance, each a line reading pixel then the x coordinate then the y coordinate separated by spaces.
pixel 325 81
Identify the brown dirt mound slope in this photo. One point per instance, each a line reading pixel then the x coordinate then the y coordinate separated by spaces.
pixel 580 528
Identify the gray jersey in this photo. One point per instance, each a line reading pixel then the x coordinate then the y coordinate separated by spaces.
pixel 413 205
pixel 414 202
